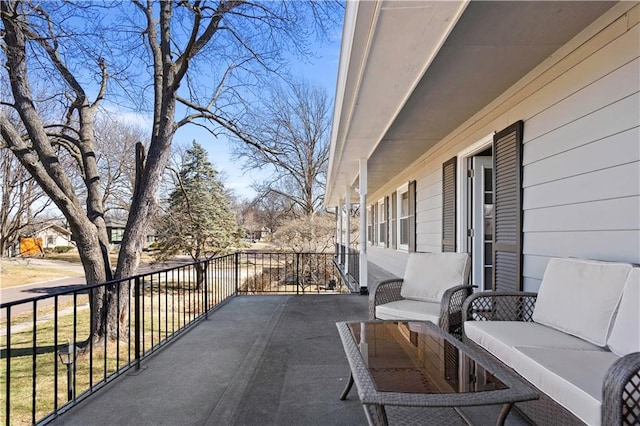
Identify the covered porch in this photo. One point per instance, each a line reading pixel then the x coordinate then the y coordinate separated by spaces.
pixel 257 360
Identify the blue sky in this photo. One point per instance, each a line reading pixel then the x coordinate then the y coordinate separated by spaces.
pixel 320 69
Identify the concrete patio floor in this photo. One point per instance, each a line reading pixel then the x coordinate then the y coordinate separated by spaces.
pixel 258 360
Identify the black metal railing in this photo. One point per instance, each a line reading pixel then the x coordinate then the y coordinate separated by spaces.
pixel 52 352
pixel 297 273
pixel 354 264
pixel 350 271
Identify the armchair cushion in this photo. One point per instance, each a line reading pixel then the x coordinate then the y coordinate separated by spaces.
pixel 409 309
pixel 625 334
pixel 428 275
pixel 580 297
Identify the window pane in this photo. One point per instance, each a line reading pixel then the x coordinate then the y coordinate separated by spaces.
pixel 404 204
pixel 404 231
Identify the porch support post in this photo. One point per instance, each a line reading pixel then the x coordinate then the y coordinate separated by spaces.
pixel 347 229
pixel 364 289
pixel 339 231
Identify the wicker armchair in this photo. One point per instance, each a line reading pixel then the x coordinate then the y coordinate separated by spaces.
pixel 621 388
pixel 450 318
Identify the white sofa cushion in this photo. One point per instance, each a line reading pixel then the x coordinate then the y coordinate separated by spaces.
pixel 625 333
pixel 409 310
pixel 501 337
pixel 428 275
pixel 580 297
pixel 573 378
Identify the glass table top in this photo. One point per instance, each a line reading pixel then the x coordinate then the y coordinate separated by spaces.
pixel 410 357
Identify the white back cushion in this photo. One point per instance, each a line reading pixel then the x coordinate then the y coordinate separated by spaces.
pixel 625 334
pixel 580 297
pixel 428 275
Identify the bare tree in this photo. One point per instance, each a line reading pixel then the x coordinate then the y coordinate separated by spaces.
pixel 294 125
pixel 22 201
pixel 114 141
pixel 164 47
pixel 313 233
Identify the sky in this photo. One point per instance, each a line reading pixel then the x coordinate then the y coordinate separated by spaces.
pixel 320 69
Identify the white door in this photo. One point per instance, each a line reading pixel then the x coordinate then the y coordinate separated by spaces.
pixel 482 214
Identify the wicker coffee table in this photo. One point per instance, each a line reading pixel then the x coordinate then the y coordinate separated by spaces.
pixel 399 366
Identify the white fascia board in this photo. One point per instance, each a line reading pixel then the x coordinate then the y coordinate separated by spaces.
pixel 350 14
pixel 361 20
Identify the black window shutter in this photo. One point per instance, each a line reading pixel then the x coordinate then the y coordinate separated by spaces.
pixel 412 216
pixel 394 220
pixel 507 237
pixel 449 205
pixel 386 221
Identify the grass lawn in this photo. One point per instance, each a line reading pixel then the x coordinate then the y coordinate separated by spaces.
pixel 167 306
pixel 13 274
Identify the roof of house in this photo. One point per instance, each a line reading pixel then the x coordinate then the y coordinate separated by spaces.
pixel 59 229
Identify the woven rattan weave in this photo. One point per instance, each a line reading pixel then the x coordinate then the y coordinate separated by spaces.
pixel 423 351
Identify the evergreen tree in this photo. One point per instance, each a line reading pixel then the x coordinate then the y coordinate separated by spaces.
pixel 199 220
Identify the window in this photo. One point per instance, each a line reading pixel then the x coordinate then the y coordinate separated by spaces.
pixel 382 222
pixel 49 241
pixel 116 235
pixel 404 215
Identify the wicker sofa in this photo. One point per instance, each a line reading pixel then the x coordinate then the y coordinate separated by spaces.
pixel 577 340
pixel 433 289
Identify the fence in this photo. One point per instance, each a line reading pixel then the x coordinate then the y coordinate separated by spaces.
pixel 352 273
pixel 52 355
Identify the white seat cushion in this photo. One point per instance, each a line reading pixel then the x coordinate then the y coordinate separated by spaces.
pixel 625 333
pixel 572 378
pixel 580 297
pixel 501 337
pixel 409 310
pixel 428 275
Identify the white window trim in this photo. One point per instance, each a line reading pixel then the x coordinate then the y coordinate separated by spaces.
pixel 381 220
pixel 461 188
pixel 401 190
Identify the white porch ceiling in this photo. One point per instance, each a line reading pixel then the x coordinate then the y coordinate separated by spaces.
pixel 411 72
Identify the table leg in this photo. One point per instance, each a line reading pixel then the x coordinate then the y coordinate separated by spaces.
pixel 346 390
pixel 504 412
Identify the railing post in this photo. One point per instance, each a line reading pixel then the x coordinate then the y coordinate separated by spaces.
pixel 206 289
pixel 237 272
pixel 297 273
pixel 136 292
pixel 8 370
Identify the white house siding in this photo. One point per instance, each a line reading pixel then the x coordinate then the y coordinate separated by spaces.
pixel 581 155
pixel 429 212
pixel 390 260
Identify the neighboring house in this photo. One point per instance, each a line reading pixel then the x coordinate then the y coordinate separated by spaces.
pixel 54 236
pixel 508 130
pixel 115 232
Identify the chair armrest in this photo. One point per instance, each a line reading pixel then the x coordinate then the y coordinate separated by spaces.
pixel 386 291
pixel 499 306
pixel 621 404
pixel 451 309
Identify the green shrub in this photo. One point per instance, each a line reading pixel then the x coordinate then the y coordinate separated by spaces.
pixel 62 249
